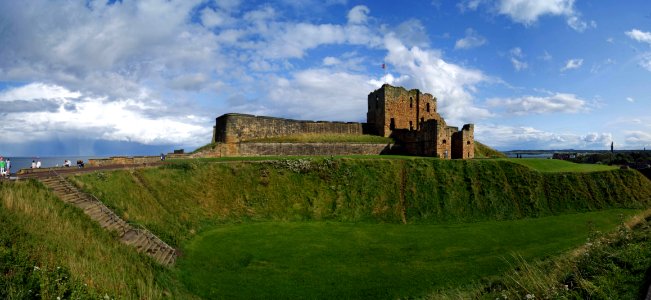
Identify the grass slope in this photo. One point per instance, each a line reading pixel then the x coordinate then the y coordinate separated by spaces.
pixel 325 260
pixel 484 151
pixel 557 165
pixel 182 199
pixel 49 249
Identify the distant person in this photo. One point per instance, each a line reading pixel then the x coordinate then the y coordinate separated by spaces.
pixel 162 156
pixel 66 163
pixel 38 164
pixel 8 167
pixel 2 167
pixel 80 163
pixel 33 164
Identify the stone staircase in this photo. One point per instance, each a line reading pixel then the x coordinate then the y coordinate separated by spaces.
pixel 136 236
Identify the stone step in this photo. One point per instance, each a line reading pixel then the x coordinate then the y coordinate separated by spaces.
pixel 169 257
pixel 141 240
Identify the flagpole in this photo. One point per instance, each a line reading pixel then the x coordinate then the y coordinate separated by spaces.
pixel 384 67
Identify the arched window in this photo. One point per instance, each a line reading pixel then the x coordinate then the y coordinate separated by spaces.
pixel 411 102
pixel 427 107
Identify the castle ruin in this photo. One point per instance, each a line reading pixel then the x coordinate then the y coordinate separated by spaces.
pixel 409 117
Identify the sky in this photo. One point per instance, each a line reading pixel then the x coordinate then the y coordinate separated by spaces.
pixel 141 77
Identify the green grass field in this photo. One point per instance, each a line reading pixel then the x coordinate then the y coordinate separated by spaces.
pixel 257 220
pixel 329 260
pixel 556 165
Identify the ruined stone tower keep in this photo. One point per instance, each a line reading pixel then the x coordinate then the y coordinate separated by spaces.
pixel 408 116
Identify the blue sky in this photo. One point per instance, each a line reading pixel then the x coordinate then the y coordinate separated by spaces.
pixel 141 77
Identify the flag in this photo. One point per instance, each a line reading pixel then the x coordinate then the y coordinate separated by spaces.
pixel 384 66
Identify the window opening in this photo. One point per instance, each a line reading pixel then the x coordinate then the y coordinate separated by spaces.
pixel 392 125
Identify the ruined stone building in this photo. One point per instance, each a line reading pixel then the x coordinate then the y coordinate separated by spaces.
pixel 407 116
pixel 410 118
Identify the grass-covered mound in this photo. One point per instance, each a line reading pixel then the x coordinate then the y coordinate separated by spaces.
pixel 484 151
pixel 181 199
pixel 193 198
pixel 49 249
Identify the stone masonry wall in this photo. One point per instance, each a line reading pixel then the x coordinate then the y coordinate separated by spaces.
pixel 233 128
pixel 393 108
pixel 464 142
pixel 283 149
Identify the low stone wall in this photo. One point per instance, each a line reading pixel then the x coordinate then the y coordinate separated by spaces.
pixel 122 160
pixel 233 128
pixel 284 149
pixel 130 160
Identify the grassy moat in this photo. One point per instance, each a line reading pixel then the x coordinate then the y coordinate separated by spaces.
pixel 326 228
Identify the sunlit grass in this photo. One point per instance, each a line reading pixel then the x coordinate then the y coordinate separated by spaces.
pixel 557 165
pixel 326 260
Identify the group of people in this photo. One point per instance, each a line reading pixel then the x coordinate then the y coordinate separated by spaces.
pixel 36 164
pixel 5 167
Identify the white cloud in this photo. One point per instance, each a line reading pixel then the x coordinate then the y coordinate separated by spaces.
pixel 412 33
pixel 35 91
pixel 314 94
pixel 637 139
pixel 517 59
pixel 556 103
pixel 640 36
pixel 630 99
pixel 294 39
pixel 546 56
pixel 331 61
pixel 579 25
pixel 119 120
pixel 574 63
pixel 358 14
pixel 525 137
pixel 471 40
pixel 189 82
pixel 215 18
pixel 452 84
pixel 527 12
pixel 645 62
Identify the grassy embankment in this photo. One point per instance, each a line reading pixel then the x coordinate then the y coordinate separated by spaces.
pixel 181 200
pixel 483 151
pixel 49 249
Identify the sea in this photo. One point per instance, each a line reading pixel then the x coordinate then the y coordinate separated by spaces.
pixel 18 163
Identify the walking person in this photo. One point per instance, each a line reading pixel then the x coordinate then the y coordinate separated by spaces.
pixel 33 164
pixel 2 166
pixel 8 167
pixel 38 164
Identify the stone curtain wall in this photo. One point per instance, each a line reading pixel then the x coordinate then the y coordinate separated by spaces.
pixel 234 128
pixel 284 149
